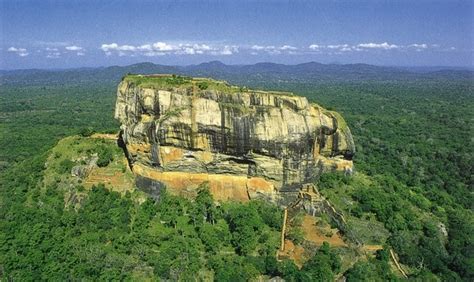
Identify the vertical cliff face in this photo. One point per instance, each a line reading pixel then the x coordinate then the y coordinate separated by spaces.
pixel 182 132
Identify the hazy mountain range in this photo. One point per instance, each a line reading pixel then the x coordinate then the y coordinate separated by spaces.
pixel 311 71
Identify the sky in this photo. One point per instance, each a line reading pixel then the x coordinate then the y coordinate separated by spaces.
pixel 70 34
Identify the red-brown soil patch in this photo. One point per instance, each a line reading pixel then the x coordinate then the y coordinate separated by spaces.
pixel 318 235
pixel 293 252
pixel 111 178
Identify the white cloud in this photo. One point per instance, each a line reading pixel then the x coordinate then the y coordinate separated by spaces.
pixel 315 47
pixel 288 47
pixel 22 52
pixel 384 46
pixel 257 47
pixel 162 46
pixel 193 49
pixel 145 47
pixel 116 47
pixel 189 51
pixel 127 48
pixel 226 51
pixel 74 48
pixel 338 46
pixel 273 50
pixel 419 46
pixel 107 47
pixel 229 50
pixel 202 47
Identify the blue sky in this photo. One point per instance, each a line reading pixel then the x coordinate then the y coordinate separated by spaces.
pixel 67 34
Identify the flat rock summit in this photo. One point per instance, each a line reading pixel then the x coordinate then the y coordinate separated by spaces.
pixel 182 132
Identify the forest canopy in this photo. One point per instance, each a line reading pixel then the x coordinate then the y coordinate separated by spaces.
pixel 413 178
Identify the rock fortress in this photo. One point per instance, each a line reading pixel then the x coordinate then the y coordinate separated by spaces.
pixel 181 132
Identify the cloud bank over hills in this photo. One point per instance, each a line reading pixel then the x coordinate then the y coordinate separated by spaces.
pixel 162 48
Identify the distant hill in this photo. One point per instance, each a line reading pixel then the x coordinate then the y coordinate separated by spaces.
pixel 306 72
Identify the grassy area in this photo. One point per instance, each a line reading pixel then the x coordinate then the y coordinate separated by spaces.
pixel 76 151
pixel 167 81
pixel 159 82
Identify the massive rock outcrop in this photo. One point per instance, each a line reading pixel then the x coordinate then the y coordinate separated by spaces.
pixel 181 132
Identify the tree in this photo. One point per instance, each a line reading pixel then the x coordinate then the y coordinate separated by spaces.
pixel 66 165
pixel 323 265
pixel 232 268
pixel 205 207
pixel 105 156
pixel 86 131
pixel 210 237
pixel 288 270
pixel 246 226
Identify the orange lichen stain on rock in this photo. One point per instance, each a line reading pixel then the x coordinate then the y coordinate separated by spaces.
pixel 170 154
pixel 222 187
pixel 256 185
pixel 228 187
pixel 134 148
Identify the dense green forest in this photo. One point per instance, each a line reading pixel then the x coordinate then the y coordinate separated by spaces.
pixel 413 176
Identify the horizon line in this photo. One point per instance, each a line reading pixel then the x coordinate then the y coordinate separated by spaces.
pixel 468 67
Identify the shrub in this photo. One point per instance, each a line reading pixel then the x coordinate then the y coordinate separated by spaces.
pixel 203 85
pixel 296 235
pixel 86 131
pixel 105 156
pixel 66 165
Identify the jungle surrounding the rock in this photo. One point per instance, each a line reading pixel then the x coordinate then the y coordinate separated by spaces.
pixel 69 209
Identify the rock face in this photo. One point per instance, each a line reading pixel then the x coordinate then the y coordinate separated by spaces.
pixel 182 132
